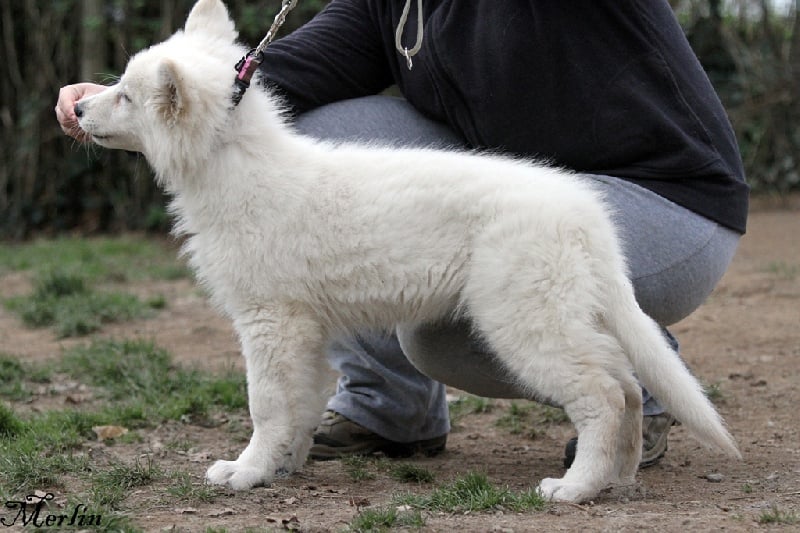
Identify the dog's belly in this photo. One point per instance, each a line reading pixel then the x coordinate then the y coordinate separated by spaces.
pixel 379 296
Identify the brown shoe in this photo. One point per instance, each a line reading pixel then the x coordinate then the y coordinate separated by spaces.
pixel 655 430
pixel 337 437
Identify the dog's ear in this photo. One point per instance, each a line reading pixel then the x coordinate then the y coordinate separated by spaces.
pixel 170 99
pixel 210 17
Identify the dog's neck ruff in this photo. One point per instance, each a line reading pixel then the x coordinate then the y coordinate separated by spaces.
pixel 248 65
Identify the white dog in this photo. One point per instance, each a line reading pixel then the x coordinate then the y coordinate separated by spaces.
pixel 300 241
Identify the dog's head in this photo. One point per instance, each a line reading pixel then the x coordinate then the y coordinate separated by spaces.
pixel 173 100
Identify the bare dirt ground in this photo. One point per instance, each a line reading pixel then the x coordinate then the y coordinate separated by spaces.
pixel 745 339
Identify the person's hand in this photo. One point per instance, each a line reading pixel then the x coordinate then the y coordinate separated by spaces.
pixel 68 96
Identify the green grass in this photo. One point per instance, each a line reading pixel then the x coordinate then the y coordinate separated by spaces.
pixel 187 491
pixel 358 468
pixel 112 259
pixel 385 518
pixel 67 273
pixel 468 405
pixel 16 377
pixel 66 303
pixel 10 425
pixel 143 388
pixel 474 493
pixel 363 468
pixel 713 392
pixel 525 418
pixel 777 516
pixel 111 484
pixel 144 383
pixel 41 450
pixel 408 473
pixel 784 270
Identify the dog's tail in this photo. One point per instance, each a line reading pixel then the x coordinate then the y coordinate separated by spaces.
pixel 662 372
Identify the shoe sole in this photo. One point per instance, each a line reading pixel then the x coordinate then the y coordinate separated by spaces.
pixel 322 451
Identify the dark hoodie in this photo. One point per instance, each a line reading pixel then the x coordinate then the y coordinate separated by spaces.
pixel 598 86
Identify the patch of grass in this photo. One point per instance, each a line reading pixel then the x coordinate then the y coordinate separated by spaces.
pixel 138 474
pixel 468 405
pixel 15 375
pixel 386 518
pixel 524 418
pixel 111 485
pixel 65 302
pixel 45 449
pixel 142 377
pixel 40 452
pixel 777 516
pixel 10 425
pixel 784 270
pixel 547 414
pixel 115 259
pixel 358 468
pixel 713 392
pixel 408 473
pixel 183 487
pixel 156 302
pixel 180 445
pixel 474 492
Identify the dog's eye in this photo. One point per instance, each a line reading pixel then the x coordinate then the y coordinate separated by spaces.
pixel 124 98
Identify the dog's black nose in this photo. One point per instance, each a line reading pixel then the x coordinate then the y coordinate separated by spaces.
pixel 78 110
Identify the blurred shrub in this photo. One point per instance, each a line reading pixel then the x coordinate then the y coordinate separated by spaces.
pixel 51 184
pixel 751 50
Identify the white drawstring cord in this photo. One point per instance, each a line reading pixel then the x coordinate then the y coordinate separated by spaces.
pixel 398 36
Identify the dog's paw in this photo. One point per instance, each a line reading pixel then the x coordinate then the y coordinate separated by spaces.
pixel 556 489
pixel 236 475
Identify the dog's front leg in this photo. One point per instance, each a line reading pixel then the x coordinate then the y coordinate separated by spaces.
pixel 283 349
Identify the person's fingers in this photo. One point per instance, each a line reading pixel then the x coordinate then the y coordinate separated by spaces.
pixel 68 96
pixel 65 106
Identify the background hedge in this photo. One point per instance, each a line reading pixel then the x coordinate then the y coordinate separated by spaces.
pixel 51 184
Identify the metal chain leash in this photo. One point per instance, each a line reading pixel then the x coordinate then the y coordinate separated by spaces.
pixel 248 65
pixel 280 18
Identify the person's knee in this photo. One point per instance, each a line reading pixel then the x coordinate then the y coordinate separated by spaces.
pixel 376 118
pixel 676 292
pixel 432 347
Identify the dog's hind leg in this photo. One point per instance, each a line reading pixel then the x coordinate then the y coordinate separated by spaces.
pixel 535 300
pixel 284 353
pixel 566 374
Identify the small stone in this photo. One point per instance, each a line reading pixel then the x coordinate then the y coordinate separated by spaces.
pixel 715 478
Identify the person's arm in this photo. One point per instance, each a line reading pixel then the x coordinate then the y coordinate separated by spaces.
pixel 337 55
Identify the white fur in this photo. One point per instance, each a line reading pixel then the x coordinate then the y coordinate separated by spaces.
pixel 301 240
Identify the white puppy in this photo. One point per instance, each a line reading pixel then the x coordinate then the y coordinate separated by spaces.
pixel 299 241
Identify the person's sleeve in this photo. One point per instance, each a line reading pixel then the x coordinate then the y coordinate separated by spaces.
pixel 335 56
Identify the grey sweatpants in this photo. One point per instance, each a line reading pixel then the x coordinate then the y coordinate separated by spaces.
pixel 675 257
